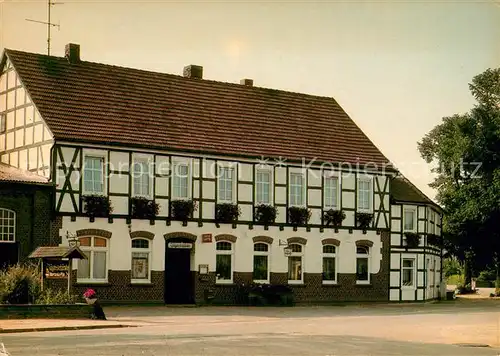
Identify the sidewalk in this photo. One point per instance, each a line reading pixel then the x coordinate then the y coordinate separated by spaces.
pixel 36 325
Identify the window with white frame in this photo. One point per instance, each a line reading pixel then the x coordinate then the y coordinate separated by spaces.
pixel 263 186
pixel 180 182
pixel 408 273
pixel 224 262
pixel 142 177
pixel 365 194
pixel 329 264
pixel 295 263
pixel 296 187
pixel 93 174
pixel 261 262
pixel 7 225
pixel 141 255
pixel 409 217
pixel 95 267
pixel 226 185
pixel 362 265
pixel 331 192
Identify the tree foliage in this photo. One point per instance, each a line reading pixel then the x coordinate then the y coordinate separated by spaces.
pixel 465 149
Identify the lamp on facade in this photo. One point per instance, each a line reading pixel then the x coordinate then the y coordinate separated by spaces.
pixel 72 239
pixel 287 250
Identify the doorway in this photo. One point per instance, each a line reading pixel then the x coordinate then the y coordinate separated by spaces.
pixel 178 279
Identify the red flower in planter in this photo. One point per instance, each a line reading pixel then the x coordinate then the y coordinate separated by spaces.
pixel 89 293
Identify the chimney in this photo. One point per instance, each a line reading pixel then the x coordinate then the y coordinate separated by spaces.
pixel 193 71
pixel 247 82
pixel 72 53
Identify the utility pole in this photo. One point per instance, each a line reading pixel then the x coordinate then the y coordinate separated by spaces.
pixel 49 24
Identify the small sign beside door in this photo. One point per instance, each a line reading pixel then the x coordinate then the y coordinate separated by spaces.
pixel 206 238
pixel 186 245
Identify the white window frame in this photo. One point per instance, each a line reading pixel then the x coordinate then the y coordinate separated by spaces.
pixel 101 155
pixel 147 160
pixel 302 264
pixel 141 250
pixel 304 188
pixel 234 179
pixel 370 208
pixel 413 210
pixel 368 256
pixel 263 253
pixel 175 166
pixel 271 185
pixel 225 252
pixel 4 214
pixel 329 176
pixel 91 250
pixel 414 272
pixel 331 255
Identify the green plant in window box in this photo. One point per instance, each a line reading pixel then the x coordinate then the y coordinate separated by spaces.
pixel 298 216
pixel 227 213
pixel 143 208
pixel 182 209
pixel 364 220
pixel 412 239
pixel 265 214
pixel 434 240
pixel 97 206
pixel 333 218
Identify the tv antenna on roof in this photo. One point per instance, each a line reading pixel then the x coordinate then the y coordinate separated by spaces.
pixel 49 24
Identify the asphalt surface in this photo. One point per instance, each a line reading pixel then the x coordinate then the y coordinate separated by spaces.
pixel 373 330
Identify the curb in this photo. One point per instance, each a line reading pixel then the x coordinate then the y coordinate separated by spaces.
pixel 63 328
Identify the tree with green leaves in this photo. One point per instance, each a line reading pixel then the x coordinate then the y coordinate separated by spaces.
pixel 465 151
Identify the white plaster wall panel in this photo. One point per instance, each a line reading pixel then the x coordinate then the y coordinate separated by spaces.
pixel 420 278
pixel 315 217
pixel 32 158
pixel 10 140
pixel 314 197
pixel 313 262
pixel 243 257
pixel 11 99
pixel 395 211
pixel 120 205
pixel 395 225
pixel 163 207
pixel 2 142
pixel 394 279
pixel 245 192
pixel 60 178
pixel 376 201
pixel 395 261
pixel 420 294
pixel 5 159
pixel 39 134
pixel 45 154
pixel 348 181
pixel 280 195
pixel 11 120
pixel 387 203
pixel 281 214
pixel 14 159
pixel 46 133
pixel 67 153
pixel 208 190
pixel 23 159
pixel 162 186
pixel 280 175
pixel 246 212
pixel 119 161
pixel 421 226
pixel 314 178
pixel 407 294
pixel 21 96
pixel 29 135
pixel 196 168
pixel 349 218
pixel 3 86
pixel 209 168
pixel 245 172
pixel 67 205
pixel 348 200
pixel 395 239
pixel 394 295
pixel 196 189
pixel 19 138
pixel 421 212
pixel 384 220
pixel 118 183
pixel 420 261
pixel 74 179
pixel 208 210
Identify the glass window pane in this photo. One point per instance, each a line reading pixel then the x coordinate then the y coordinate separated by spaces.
pixel 140 243
pixel 328 268
pixel 84 266
pixel 409 219
pixel 362 269
pixel 408 263
pixel 328 249
pixel 140 265
pixel 295 268
pixel 224 246
pixel 84 241
pixel 99 242
pixel 260 267
pixel 296 248
pixel 362 250
pixel 99 265
pixel 260 247
pixel 223 267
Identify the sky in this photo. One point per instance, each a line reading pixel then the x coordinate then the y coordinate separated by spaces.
pixel 396 67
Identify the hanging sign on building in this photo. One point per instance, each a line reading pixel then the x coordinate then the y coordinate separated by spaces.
pixel 56 269
pixel 186 245
pixel 206 238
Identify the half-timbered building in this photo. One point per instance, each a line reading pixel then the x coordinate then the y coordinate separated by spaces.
pixel 181 189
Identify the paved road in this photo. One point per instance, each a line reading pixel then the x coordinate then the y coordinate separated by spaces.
pixel 374 330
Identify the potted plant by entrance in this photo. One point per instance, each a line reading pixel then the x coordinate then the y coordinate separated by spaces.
pixel 364 220
pixel 298 216
pixel 412 239
pixel 265 214
pixel 182 209
pixel 227 213
pixel 97 206
pixel 333 218
pixel 143 208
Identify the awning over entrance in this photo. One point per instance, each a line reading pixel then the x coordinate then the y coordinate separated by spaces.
pixel 58 252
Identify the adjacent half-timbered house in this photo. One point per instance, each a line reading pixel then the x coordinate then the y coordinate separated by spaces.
pixel 181 189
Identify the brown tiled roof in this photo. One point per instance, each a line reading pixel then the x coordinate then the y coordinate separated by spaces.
pixel 402 190
pixel 9 174
pixel 57 252
pixel 100 103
